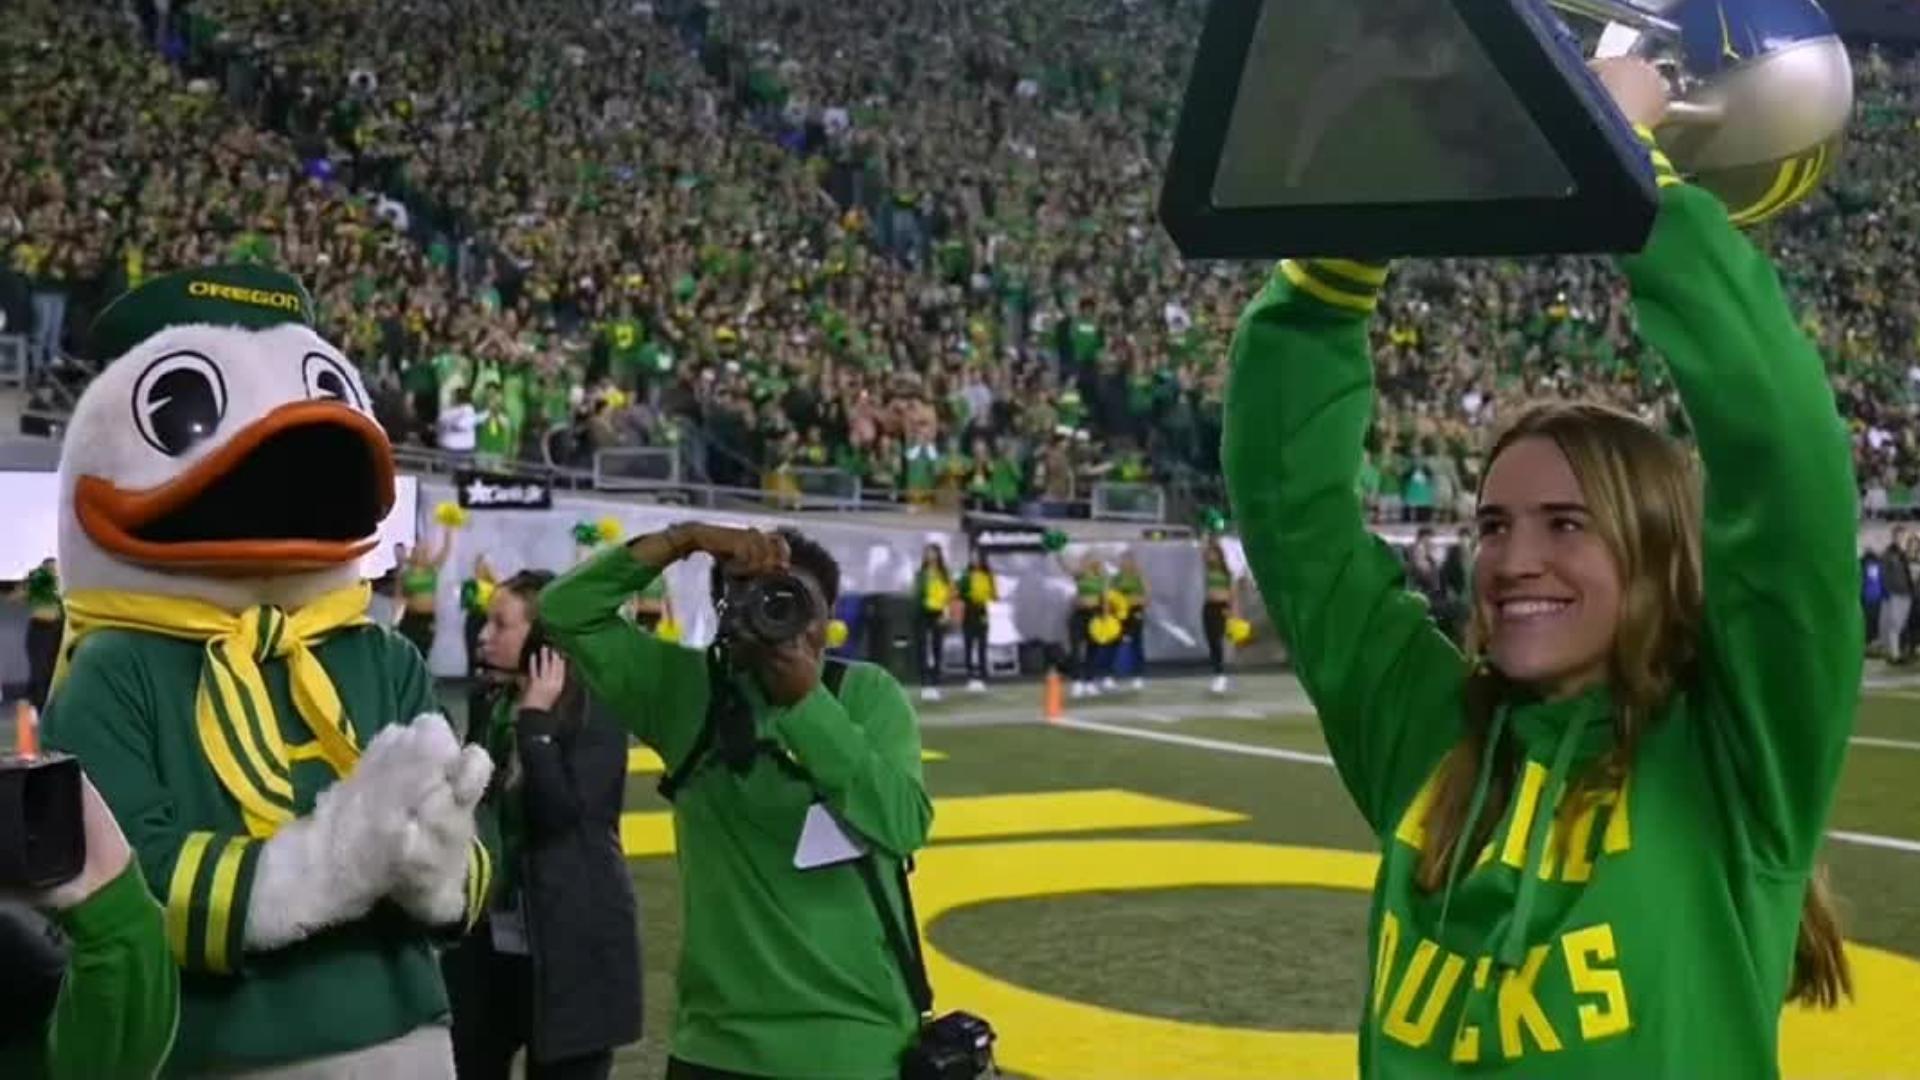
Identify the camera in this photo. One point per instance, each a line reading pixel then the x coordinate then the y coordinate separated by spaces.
pixel 769 610
pixel 42 838
pixel 957 1046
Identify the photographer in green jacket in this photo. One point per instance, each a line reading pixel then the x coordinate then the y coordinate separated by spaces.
pixel 784 972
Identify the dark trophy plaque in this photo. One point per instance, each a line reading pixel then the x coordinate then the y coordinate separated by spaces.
pixel 1381 128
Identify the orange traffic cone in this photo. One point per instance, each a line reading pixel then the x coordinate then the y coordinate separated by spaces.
pixel 1052 703
pixel 26 730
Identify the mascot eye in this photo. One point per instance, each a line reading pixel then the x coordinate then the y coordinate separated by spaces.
pixel 179 402
pixel 328 379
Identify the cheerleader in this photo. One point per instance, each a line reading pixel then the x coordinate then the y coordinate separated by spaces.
pixel 933 592
pixel 418 579
pixel 1089 598
pixel 1217 612
pixel 978 590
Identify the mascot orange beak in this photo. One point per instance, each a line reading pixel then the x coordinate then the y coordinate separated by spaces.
pixel 303 488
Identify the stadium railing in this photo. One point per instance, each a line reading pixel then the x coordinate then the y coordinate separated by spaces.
pixel 636 468
pixel 1129 502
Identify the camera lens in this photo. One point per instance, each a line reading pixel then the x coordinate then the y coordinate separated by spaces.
pixel 779 609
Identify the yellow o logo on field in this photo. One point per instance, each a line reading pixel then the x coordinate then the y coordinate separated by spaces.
pixel 1056 1039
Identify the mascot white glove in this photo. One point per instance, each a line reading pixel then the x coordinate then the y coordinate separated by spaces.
pixel 334 864
pixel 431 879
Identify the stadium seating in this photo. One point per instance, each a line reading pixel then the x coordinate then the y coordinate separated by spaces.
pixel 906 242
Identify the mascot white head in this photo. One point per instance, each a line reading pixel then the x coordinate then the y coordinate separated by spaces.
pixel 226 454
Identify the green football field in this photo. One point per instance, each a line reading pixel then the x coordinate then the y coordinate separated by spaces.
pixel 1171 885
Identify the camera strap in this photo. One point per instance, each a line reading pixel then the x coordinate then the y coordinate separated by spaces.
pixel 721 694
pixel 904 944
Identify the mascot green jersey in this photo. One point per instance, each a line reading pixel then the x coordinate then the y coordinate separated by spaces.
pixel 303 813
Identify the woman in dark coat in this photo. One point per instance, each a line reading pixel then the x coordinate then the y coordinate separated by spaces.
pixel 555 965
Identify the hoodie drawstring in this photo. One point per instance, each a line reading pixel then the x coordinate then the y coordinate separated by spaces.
pixel 1475 805
pixel 1513 945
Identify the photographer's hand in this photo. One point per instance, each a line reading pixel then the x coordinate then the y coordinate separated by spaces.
pixel 107 854
pixel 745 552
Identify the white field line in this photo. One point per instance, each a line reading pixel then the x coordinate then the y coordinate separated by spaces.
pixel 1891 843
pixel 1194 741
pixel 1885 744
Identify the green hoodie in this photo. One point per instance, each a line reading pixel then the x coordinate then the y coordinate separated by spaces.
pixel 1655 935
pixel 783 972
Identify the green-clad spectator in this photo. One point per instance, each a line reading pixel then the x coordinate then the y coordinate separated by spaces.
pixel 1085 341
pixel 923 472
pixel 451 371
pixel 494 435
pixel 813 452
pixel 626 342
pixel 655 361
pixel 1070 410
pixel 515 379
pixel 783 971
pixel 1005 484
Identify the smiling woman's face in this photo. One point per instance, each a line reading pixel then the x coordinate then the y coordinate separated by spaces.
pixel 1547 585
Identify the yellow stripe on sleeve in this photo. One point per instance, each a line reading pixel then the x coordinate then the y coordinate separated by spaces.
pixel 1359 272
pixel 1323 292
pixel 220 898
pixel 479 882
pixel 186 868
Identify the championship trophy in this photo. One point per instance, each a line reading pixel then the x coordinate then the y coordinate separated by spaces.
pixel 1385 128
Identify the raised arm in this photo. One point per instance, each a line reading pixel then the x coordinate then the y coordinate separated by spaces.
pixel 1384 679
pixel 443 549
pixel 659 690
pixel 1781 655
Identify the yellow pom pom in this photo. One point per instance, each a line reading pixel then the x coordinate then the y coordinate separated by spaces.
pixel 609 529
pixel 667 630
pixel 1104 629
pixel 483 593
pixel 1117 606
pixel 836 634
pixel 1239 631
pixel 450 515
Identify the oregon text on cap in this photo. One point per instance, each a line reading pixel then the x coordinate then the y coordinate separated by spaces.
pixel 258 297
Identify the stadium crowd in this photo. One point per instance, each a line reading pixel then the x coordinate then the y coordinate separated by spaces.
pixel 909 240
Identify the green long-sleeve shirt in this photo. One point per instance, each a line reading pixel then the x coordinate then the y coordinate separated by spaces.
pixel 783 972
pixel 1658 936
pixel 120 999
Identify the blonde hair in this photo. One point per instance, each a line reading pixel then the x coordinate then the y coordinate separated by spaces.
pixel 1643 498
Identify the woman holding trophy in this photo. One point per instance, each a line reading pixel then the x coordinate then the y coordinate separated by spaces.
pixel 1600 822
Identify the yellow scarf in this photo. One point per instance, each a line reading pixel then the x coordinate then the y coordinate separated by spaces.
pixel 233 712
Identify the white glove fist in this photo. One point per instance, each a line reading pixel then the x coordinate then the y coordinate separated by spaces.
pixel 334 864
pixel 430 879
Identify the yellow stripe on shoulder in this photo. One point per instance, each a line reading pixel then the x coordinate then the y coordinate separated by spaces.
pixel 1301 279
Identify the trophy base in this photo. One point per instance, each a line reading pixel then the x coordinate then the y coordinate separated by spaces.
pixel 1383 128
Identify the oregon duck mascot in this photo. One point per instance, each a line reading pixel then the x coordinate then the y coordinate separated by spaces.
pixel 303 811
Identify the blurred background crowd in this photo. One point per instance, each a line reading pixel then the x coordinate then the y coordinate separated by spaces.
pixel 908 241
